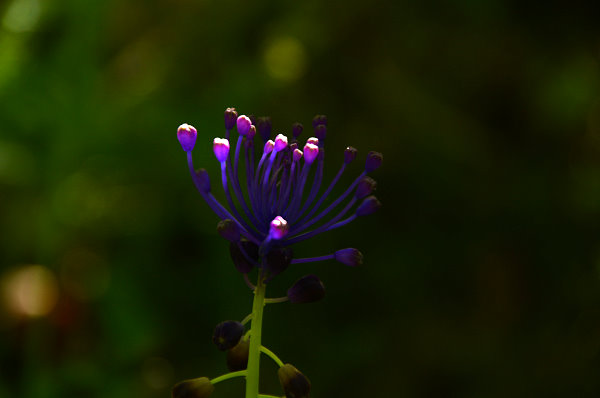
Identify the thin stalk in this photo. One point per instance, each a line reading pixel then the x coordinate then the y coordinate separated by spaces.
pixel 255 340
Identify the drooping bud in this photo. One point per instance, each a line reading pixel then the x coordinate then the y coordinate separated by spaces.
pixel 313 140
pixel 350 257
pixel 264 125
pixel 242 264
pixel 321 131
pixel 251 132
pixel 229 230
pixel 307 289
pixel 373 162
pixel 281 142
pixel 310 153
pixel 243 125
pixel 368 206
pixel 230 118
pixel 221 148
pixel 203 180
pixel 186 134
pixel 227 334
pixel 194 388
pixel 237 357
pixel 297 129
pixel 365 187
pixel 319 119
pixel 268 147
pixel 294 383
pixel 297 155
pixel 279 228
pixel 349 154
pixel 277 260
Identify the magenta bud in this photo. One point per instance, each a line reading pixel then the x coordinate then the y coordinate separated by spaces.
pixel 368 206
pixel 313 140
pixel 281 142
pixel 229 230
pixel 349 154
pixel 297 129
pixel 268 147
pixel 365 187
pixel 350 257
pixel 230 118
pixel 221 148
pixel 297 155
pixel 310 153
pixel 373 162
pixel 294 383
pixel 227 334
pixel 307 289
pixel 186 134
pixel 319 119
pixel 278 228
pixel 321 131
pixel 264 126
pixel 243 125
pixel 203 180
pixel 251 132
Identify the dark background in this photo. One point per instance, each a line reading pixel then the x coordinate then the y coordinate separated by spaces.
pixel 481 274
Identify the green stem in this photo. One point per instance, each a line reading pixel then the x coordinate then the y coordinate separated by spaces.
pixel 255 336
pixel 228 376
pixel 276 300
pixel 272 355
pixel 268 396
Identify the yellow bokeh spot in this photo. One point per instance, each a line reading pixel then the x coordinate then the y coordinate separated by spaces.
pixel 31 291
pixel 285 58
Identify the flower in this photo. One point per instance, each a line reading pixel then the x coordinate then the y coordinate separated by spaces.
pixel 277 204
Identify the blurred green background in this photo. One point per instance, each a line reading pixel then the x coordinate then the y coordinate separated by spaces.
pixel 481 274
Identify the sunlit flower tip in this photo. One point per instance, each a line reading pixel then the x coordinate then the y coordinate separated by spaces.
pixel 310 152
pixel 368 206
pixel 281 142
pixel 297 155
pixel 268 147
pixel 307 289
pixel 229 230
pixel 227 334
pixel 277 260
pixel 230 118
pixel 365 187
pixel 297 129
pixel 203 180
pixel 251 132
pixel 237 357
pixel 373 162
pixel 350 257
pixel 349 154
pixel 321 131
pixel 243 125
pixel 194 388
pixel 242 264
pixel 319 119
pixel 221 148
pixel 264 125
pixel 313 140
pixel 294 383
pixel 186 134
pixel 279 228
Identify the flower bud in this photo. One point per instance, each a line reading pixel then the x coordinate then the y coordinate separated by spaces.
pixel 307 289
pixel 268 147
pixel 350 257
pixel 194 388
pixel 294 383
pixel 227 334
pixel 321 132
pixel 350 154
pixel 237 357
pixel 297 129
pixel 186 134
pixel 243 125
pixel 229 230
pixel 319 119
pixel 221 148
pixel 365 187
pixel 277 260
pixel 230 118
pixel 251 133
pixel 313 140
pixel 264 124
pixel 281 143
pixel 374 160
pixel 310 153
pixel 368 206
pixel 279 228
pixel 297 155
pixel 239 260
pixel 203 180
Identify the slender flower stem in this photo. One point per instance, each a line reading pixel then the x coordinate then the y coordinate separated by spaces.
pixel 227 376
pixel 272 355
pixel 268 396
pixel 246 319
pixel 276 300
pixel 255 339
pixel 313 259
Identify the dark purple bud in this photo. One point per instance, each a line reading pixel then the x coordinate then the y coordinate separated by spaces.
pixel 237 357
pixel 251 132
pixel 203 180
pixel 194 388
pixel 297 129
pixel 230 118
pixel 368 206
pixel 243 125
pixel 279 228
pixel 221 149
pixel 242 264
pixel 321 132
pixel 294 383
pixel 252 119
pixel 186 134
pixel 264 125
pixel 374 160
pixel 227 334
pixel 350 257
pixel 319 119
pixel 365 187
pixel 293 146
pixel 307 289
pixel 350 154
pixel 277 260
pixel 229 230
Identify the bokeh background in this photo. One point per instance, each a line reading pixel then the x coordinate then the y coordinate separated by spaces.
pixel 481 274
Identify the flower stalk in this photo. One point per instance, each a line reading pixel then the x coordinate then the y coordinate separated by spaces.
pixel 253 369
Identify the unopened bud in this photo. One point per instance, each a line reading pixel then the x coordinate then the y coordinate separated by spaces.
pixel 319 119
pixel 221 148
pixel 349 154
pixel 243 125
pixel 373 162
pixel 279 228
pixel 242 264
pixel 251 132
pixel 297 155
pixel 368 206
pixel 227 334
pixel 281 143
pixel 237 357
pixel 230 118
pixel 194 388
pixel 297 129
pixel 203 180
pixel 321 132
pixel 229 230
pixel 277 260
pixel 294 383
pixel 186 134
pixel 310 153
pixel 268 147
pixel 350 257
pixel 365 187
pixel 307 289
pixel 264 124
